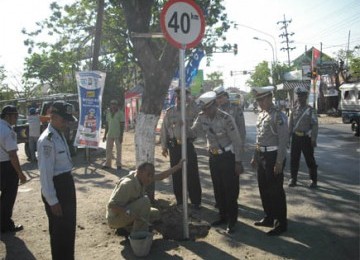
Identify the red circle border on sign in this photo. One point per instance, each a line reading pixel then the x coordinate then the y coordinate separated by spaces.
pixel 167 35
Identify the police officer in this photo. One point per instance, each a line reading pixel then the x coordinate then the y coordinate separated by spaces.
pixel 225 158
pixel 269 159
pixel 223 102
pixel 303 128
pixel 170 136
pixel 57 184
pixel 10 171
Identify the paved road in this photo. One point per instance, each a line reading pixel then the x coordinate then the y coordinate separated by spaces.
pixel 326 219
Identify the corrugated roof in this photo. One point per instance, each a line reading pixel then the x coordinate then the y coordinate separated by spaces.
pixel 290 85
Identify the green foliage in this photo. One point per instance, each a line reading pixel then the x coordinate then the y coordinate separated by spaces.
pixel 121 55
pixel 261 75
pixel 5 92
pixel 215 78
pixel 355 68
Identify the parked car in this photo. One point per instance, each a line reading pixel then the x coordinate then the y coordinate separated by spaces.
pixel 44 103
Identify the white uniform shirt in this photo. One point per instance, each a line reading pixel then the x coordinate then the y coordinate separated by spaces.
pixel 8 140
pixel 34 125
pixel 53 159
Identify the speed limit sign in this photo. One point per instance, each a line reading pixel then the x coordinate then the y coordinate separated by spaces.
pixel 182 23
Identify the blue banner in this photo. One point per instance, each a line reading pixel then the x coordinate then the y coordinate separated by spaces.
pixel 90 88
pixel 191 70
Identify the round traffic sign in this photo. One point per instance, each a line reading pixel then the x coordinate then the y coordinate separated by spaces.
pixel 182 23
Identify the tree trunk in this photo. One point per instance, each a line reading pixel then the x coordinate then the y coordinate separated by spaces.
pixel 98 29
pixel 145 137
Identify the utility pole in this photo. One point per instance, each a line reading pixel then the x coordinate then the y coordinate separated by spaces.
pixel 286 35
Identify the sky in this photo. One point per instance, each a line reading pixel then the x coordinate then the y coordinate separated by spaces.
pixel 334 23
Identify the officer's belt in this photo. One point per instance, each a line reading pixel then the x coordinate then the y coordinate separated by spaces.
pixel 217 151
pixel 300 133
pixel 174 141
pixel 264 149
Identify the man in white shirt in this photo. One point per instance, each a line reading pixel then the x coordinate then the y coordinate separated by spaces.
pixel 57 184
pixel 10 170
pixel 34 132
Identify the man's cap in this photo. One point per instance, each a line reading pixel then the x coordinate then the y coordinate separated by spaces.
pixel 260 92
pixel 114 101
pixel 8 109
pixel 220 91
pixel 301 90
pixel 63 109
pixel 207 99
pixel 32 111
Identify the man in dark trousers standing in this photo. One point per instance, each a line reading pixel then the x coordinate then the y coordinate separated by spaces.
pixel 170 136
pixel 57 184
pixel 10 171
pixel 303 128
pixel 269 159
pixel 225 157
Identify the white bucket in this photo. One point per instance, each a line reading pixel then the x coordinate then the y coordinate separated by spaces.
pixel 140 242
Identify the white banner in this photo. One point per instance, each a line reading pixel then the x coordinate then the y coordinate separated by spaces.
pixel 90 88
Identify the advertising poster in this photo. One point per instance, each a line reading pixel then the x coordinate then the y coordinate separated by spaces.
pixel 90 89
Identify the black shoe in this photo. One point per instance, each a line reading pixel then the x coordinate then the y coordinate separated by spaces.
pixel 292 183
pixel 313 185
pixel 119 168
pixel 231 228
pixel 15 228
pixel 265 222
pixel 218 222
pixel 277 231
pixel 105 167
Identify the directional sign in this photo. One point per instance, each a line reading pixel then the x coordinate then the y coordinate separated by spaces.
pixel 182 23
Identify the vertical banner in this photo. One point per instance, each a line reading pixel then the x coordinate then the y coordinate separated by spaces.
pixel 90 89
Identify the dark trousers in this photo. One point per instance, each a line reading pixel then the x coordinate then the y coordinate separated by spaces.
pixel 62 229
pixel 226 185
pixel 271 188
pixel 9 181
pixel 193 179
pixel 302 144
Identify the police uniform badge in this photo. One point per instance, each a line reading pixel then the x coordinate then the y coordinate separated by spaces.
pixel 47 151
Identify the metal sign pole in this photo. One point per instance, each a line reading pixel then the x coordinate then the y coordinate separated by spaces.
pixel 183 140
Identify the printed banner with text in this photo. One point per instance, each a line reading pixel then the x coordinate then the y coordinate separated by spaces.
pixel 90 88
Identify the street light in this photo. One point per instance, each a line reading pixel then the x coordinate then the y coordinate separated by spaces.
pixel 272 48
pixel 273 55
pixel 257 30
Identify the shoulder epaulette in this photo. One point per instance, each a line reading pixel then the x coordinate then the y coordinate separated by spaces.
pixel 223 114
pixel 49 136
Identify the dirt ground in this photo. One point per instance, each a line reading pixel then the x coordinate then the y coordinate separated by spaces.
pixel 95 240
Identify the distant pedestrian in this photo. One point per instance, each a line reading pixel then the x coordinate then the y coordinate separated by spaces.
pixel 34 132
pixel 269 160
pixel 114 131
pixel 57 184
pixel 10 170
pixel 303 128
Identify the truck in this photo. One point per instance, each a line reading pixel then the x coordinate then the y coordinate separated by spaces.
pixel 43 104
pixel 349 105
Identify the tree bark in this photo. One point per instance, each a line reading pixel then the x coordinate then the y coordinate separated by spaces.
pixel 98 30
